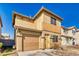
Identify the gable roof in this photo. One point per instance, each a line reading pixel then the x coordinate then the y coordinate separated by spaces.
pixel 69 28
pixel 33 18
pixel 72 27
pixel 48 11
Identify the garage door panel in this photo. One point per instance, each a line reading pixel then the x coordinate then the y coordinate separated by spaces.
pixel 31 43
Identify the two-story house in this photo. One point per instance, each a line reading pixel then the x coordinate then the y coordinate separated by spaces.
pixel 77 37
pixel 68 36
pixel 43 31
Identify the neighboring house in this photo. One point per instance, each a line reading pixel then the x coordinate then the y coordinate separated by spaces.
pixel 68 36
pixel 43 31
pixel 5 36
pixel 7 43
pixel 77 36
pixel 0 27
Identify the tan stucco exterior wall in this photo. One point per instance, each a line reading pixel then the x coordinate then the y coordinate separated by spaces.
pixel 24 23
pixel 50 27
pixel 69 36
pixel 49 41
pixel 70 33
pixel 38 25
pixel 39 21
pixel 47 19
pixel 18 41
pixel 77 37
pixel 41 42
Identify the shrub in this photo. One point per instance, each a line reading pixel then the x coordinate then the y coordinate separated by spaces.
pixel 8 49
pixel 1 44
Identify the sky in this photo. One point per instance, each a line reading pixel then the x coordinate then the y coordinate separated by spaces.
pixel 69 13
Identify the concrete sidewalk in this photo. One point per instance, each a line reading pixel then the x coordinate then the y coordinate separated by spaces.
pixel 36 53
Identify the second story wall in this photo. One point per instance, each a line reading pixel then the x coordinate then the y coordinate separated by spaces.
pixel 24 22
pixel 62 31
pixel 68 32
pixel 71 32
pixel 51 27
pixel 47 19
pixel 77 35
pixel 39 21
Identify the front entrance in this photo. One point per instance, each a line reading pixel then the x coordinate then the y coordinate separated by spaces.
pixel 55 41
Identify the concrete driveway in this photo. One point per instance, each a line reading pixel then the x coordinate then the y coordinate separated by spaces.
pixel 51 52
pixel 36 53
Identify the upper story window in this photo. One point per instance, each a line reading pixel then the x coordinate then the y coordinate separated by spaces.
pixel 53 21
pixel 73 31
pixel 65 31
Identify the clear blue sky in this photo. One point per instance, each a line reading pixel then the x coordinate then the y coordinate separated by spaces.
pixel 69 13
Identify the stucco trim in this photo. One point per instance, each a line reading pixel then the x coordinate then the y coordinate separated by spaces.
pixel 23 28
pixel 69 28
pixel 73 27
pixel 66 36
pixel 51 31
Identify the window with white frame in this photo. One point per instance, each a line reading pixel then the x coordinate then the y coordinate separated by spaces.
pixel 73 31
pixel 65 31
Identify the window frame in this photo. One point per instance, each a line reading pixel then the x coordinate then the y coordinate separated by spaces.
pixel 65 31
pixel 53 21
pixel 54 38
pixel 73 31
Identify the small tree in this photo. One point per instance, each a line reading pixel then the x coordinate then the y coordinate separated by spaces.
pixel 1 44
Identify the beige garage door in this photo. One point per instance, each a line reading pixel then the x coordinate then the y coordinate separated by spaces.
pixel 30 43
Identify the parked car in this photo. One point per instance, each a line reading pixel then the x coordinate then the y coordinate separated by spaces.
pixel 7 43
